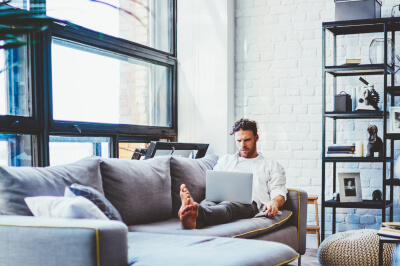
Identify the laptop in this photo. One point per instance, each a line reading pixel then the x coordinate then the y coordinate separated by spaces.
pixel 229 186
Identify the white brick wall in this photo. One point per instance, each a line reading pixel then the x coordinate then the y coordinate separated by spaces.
pixel 279 84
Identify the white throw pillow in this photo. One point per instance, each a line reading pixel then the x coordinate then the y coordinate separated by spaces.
pixel 68 193
pixel 64 207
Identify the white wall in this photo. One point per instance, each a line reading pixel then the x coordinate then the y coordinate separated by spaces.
pixel 206 73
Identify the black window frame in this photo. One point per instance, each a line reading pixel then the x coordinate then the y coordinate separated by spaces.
pixel 41 123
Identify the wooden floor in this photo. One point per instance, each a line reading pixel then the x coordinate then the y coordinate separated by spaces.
pixel 308 259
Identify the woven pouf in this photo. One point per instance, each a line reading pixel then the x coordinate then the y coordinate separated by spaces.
pixel 356 247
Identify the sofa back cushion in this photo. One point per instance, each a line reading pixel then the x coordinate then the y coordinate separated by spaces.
pixel 139 189
pixel 192 173
pixel 17 183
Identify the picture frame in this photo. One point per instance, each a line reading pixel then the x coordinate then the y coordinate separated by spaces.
pixel 394 119
pixel 350 187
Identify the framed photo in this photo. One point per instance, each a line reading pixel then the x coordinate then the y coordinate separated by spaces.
pixel 394 119
pixel 350 187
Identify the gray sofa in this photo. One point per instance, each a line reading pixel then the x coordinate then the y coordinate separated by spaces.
pixel 146 194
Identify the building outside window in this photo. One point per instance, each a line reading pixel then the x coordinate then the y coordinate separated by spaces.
pixel 95 85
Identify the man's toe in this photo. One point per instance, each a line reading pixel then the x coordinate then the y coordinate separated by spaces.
pixel 183 187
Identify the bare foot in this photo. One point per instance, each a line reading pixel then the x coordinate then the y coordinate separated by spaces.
pixel 188 215
pixel 185 195
pixel 189 209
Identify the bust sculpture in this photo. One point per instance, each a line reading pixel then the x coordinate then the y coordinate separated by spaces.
pixel 377 195
pixel 374 142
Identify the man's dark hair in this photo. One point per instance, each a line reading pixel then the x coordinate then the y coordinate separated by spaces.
pixel 245 124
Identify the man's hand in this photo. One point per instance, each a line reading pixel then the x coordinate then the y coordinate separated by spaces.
pixel 271 209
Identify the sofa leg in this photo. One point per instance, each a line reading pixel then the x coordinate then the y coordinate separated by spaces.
pixel 299 261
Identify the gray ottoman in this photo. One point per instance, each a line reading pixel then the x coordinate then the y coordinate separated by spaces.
pixel 356 247
pixel 162 249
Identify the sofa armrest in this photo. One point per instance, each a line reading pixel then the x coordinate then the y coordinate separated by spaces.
pixel 297 203
pixel 27 240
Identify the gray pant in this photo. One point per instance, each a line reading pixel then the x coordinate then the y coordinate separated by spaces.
pixel 211 213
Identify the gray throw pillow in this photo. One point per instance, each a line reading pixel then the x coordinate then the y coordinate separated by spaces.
pixel 139 189
pixel 192 173
pixel 98 199
pixel 17 183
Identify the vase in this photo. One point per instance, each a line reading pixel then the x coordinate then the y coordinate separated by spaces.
pixel 396 11
pixel 377 49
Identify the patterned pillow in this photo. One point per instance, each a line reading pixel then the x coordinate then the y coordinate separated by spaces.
pixel 97 198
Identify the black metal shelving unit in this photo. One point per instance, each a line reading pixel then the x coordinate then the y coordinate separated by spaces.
pixel 337 28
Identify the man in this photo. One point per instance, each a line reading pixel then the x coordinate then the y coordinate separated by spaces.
pixel 269 184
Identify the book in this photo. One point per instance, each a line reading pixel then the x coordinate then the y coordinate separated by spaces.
pixel 353 61
pixel 393 225
pixel 340 155
pixel 342 152
pixel 341 148
pixel 389 232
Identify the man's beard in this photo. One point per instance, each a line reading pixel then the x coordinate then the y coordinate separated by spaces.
pixel 249 153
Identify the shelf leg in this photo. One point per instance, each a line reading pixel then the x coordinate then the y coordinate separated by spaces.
pixel 333 221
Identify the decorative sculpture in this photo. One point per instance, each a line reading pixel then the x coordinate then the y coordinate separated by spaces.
pixel 374 142
pixel 377 195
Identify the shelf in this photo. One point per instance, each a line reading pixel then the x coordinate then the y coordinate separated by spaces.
pixel 393 136
pixel 368 204
pixel 358 70
pixel 394 182
pixel 362 26
pixel 385 27
pixel 355 114
pixel 393 90
pixel 352 159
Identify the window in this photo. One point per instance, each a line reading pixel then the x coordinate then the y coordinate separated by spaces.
pixel 88 86
pixel 64 149
pixel 147 22
pixel 127 150
pixel 15 90
pixel 111 88
pixel 16 149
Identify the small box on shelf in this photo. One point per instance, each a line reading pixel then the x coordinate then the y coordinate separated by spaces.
pixel 343 102
pixel 351 10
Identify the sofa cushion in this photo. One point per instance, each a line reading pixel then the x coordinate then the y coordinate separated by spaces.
pixel 139 189
pixel 17 183
pixel 192 173
pixel 244 228
pixel 155 249
pixel 96 197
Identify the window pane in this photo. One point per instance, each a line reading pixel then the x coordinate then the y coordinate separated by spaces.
pixel 147 22
pixel 15 93
pixel 95 86
pixel 70 149
pixel 16 150
pixel 126 150
pixel 22 4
